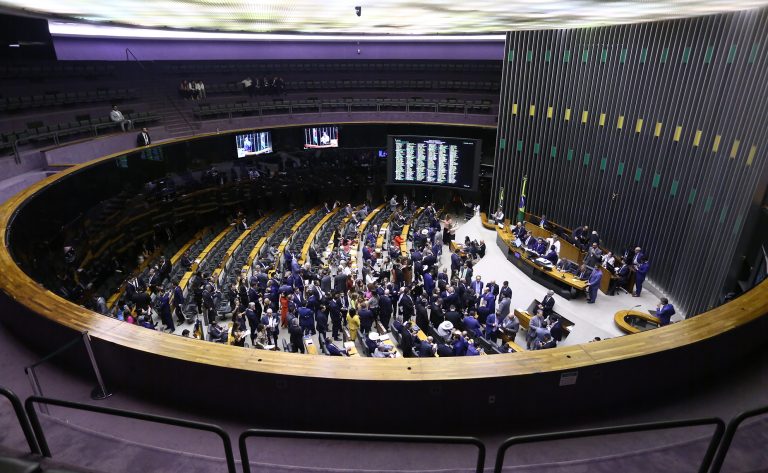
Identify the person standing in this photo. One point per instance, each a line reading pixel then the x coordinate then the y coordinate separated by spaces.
pixel 594 284
pixel 664 311
pixel 143 138
pixel 640 271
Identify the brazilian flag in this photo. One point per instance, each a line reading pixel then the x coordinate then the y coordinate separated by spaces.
pixel 521 206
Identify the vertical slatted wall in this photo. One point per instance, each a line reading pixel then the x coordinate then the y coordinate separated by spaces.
pixel 654 134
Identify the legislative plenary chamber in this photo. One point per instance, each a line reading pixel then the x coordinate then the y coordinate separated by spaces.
pixel 391 237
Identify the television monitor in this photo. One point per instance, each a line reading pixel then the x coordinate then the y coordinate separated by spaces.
pixel 433 161
pixel 321 137
pixel 253 143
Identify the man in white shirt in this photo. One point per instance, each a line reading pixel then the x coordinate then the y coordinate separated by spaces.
pixel 554 241
pixel 117 116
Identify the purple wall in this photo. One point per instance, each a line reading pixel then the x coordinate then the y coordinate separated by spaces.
pixel 113 49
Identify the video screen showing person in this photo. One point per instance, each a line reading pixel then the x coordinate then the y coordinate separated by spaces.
pixel 253 143
pixel 321 137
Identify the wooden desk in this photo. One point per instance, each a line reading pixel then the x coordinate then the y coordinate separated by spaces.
pixel 568 285
pixel 514 346
pixel 310 346
pixel 646 321
pixel 351 349
pixel 421 335
pixel 567 250
pixel 487 223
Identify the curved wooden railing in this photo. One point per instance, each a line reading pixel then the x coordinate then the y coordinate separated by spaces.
pixel 311 237
pixel 27 294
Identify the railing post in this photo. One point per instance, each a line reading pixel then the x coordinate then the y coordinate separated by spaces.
pixel 36 389
pixel 99 392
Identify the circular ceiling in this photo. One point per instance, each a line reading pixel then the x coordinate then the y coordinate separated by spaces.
pixel 381 17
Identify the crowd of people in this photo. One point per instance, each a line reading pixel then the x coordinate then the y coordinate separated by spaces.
pixel 192 90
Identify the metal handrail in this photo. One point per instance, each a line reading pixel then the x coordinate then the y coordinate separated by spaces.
pixel 730 433
pixel 21 416
pixel 160 419
pixel 703 467
pixel 450 440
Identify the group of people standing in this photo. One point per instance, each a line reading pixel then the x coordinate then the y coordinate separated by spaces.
pixel 263 86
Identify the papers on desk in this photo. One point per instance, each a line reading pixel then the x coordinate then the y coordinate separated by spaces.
pixel 544 262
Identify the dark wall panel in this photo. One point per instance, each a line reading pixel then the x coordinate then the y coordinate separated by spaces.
pixel 653 134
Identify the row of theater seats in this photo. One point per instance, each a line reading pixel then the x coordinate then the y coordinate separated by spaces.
pixel 18 465
pixel 55 70
pixel 209 111
pixel 271 68
pixel 55 131
pixel 58 99
pixel 237 87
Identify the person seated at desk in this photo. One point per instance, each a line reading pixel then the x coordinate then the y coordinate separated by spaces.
pixel 383 350
pixel 551 255
pixel 554 241
pixel 545 341
pixel 444 350
pixel 426 348
pixel 498 217
pixel 481 249
pixel 623 274
pixel 530 243
pixel 217 334
pixel 471 349
pixel 664 311
pixel 583 272
pixel 333 350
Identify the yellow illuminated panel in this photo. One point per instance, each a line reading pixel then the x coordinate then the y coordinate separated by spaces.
pixel 678 132
pixel 514 109
pixel 735 149
pixel 697 138
pixel 532 111
pixel 657 131
pixel 550 112
pixel 716 144
pixel 602 119
pixel 639 125
pixel 751 156
pixel 620 122
pixel 584 116
pixel 567 114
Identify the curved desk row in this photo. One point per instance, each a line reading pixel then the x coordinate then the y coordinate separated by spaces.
pixel 199 371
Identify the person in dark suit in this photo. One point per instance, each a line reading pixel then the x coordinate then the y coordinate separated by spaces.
pixel 178 301
pixel 481 249
pixel 164 311
pixel 296 336
pixel 664 311
pixel 405 305
pixel 477 285
pixel 454 317
pixel 548 303
pixel 385 309
pixel 472 325
pixel 253 318
pixel 640 272
pixel 551 255
pixel 455 264
pixel 556 329
pixel 426 348
pixel 406 340
pixel 505 290
pixel 143 138
pixel 422 317
pixel 366 318
pixel 334 307
pixel 594 284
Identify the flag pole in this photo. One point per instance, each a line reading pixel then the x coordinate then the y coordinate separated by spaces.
pixel 521 207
